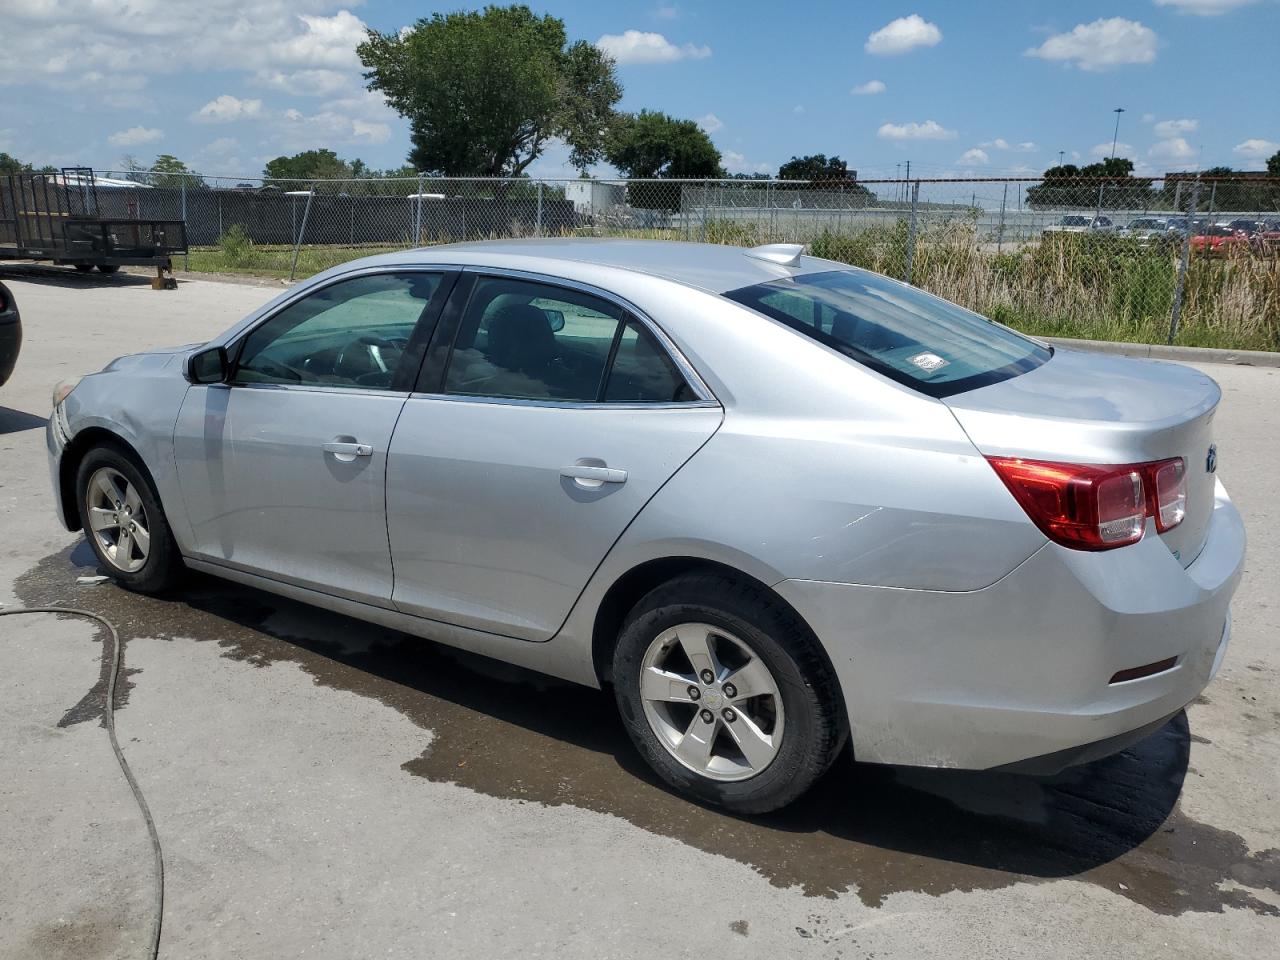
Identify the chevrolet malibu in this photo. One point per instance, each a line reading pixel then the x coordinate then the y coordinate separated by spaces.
pixel 778 504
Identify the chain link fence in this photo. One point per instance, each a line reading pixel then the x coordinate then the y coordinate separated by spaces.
pixel 1185 259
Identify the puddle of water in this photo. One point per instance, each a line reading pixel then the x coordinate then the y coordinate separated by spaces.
pixel 509 733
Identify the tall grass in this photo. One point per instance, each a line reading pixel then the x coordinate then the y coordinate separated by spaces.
pixel 1070 285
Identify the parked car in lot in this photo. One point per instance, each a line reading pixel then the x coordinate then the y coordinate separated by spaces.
pixel 1218 239
pixel 777 504
pixel 1150 229
pixel 10 333
pixel 1074 223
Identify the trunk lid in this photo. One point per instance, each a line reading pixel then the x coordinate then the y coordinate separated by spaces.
pixel 1096 408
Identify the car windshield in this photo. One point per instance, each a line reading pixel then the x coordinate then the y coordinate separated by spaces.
pixel 910 336
pixel 1075 221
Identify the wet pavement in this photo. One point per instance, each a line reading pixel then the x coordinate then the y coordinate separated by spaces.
pixel 873 830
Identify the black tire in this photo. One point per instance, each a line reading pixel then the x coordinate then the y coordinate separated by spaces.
pixel 815 727
pixel 83 267
pixel 163 567
pixel 108 267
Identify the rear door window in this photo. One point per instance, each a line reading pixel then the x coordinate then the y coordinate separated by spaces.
pixel 530 341
pixel 910 336
pixel 524 340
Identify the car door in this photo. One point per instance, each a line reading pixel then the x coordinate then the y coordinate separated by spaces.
pixel 283 468
pixel 545 419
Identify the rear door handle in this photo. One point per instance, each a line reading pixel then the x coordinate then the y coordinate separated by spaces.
pixel 347 451
pixel 588 476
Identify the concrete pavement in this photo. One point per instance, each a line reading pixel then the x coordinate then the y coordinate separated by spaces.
pixel 324 788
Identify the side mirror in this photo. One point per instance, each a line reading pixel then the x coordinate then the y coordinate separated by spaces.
pixel 207 366
pixel 555 319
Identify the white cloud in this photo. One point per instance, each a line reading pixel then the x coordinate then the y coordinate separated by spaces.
pixel 325 42
pixel 974 158
pixel 667 12
pixel 710 123
pixel 314 83
pixel 1166 129
pixel 869 89
pixel 1105 149
pixel 929 130
pixel 798 108
pixel 135 136
pixel 1100 45
pixel 1174 148
pixel 1148 118
pixel 638 46
pixel 1204 8
pixel 64 43
pixel 735 162
pixel 226 108
pixel 221 147
pixel 1255 148
pixel 1000 143
pixel 902 35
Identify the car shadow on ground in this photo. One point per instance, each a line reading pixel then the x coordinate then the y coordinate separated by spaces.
pixel 873 830
pixel 57 276
pixel 16 421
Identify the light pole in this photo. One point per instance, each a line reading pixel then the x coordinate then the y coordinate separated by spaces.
pixel 1116 136
pixel 1061 154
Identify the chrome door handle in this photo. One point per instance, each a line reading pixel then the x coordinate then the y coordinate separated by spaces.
pixel 346 452
pixel 593 476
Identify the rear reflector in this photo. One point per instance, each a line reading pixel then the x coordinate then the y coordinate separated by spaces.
pixel 1096 507
pixel 1150 670
pixel 1170 492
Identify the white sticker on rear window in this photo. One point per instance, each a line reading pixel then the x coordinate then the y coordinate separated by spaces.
pixel 928 361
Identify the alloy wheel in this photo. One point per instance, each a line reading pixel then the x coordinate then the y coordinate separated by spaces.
pixel 118 520
pixel 711 701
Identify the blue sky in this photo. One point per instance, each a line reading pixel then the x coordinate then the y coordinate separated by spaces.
pixel 959 89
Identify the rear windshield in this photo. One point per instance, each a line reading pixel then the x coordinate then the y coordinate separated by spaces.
pixel 910 336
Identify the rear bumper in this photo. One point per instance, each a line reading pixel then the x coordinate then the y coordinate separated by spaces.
pixel 1018 674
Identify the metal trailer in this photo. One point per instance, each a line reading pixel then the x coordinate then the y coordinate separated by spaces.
pixel 58 218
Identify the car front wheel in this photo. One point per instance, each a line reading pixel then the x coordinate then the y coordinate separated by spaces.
pixel 726 695
pixel 124 523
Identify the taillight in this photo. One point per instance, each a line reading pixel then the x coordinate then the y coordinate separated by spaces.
pixel 1092 507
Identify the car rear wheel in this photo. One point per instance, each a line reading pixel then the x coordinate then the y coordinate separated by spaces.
pixel 726 695
pixel 124 523
pixel 83 267
pixel 108 267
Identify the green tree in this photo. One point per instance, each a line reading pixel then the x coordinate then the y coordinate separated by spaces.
pixel 1107 184
pixel 814 167
pixel 169 171
pixel 485 91
pixel 1273 164
pixel 11 165
pixel 322 164
pixel 652 145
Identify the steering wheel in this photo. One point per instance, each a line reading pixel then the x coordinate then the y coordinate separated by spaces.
pixel 367 351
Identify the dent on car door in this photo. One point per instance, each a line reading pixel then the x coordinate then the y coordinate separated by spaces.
pixel 546 419
pixel 283 469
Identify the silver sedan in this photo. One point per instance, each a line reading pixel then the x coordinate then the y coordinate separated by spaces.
pixel 778 504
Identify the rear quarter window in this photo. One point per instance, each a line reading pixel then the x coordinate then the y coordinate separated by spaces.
pixel 912 337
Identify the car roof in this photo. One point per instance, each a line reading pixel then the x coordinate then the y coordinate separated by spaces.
pixel 713 267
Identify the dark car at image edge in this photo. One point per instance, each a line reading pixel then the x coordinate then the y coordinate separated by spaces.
pixel 10 333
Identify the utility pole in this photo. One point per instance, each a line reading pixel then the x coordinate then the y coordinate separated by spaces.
pixel 1061 154
pixel 1116 136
